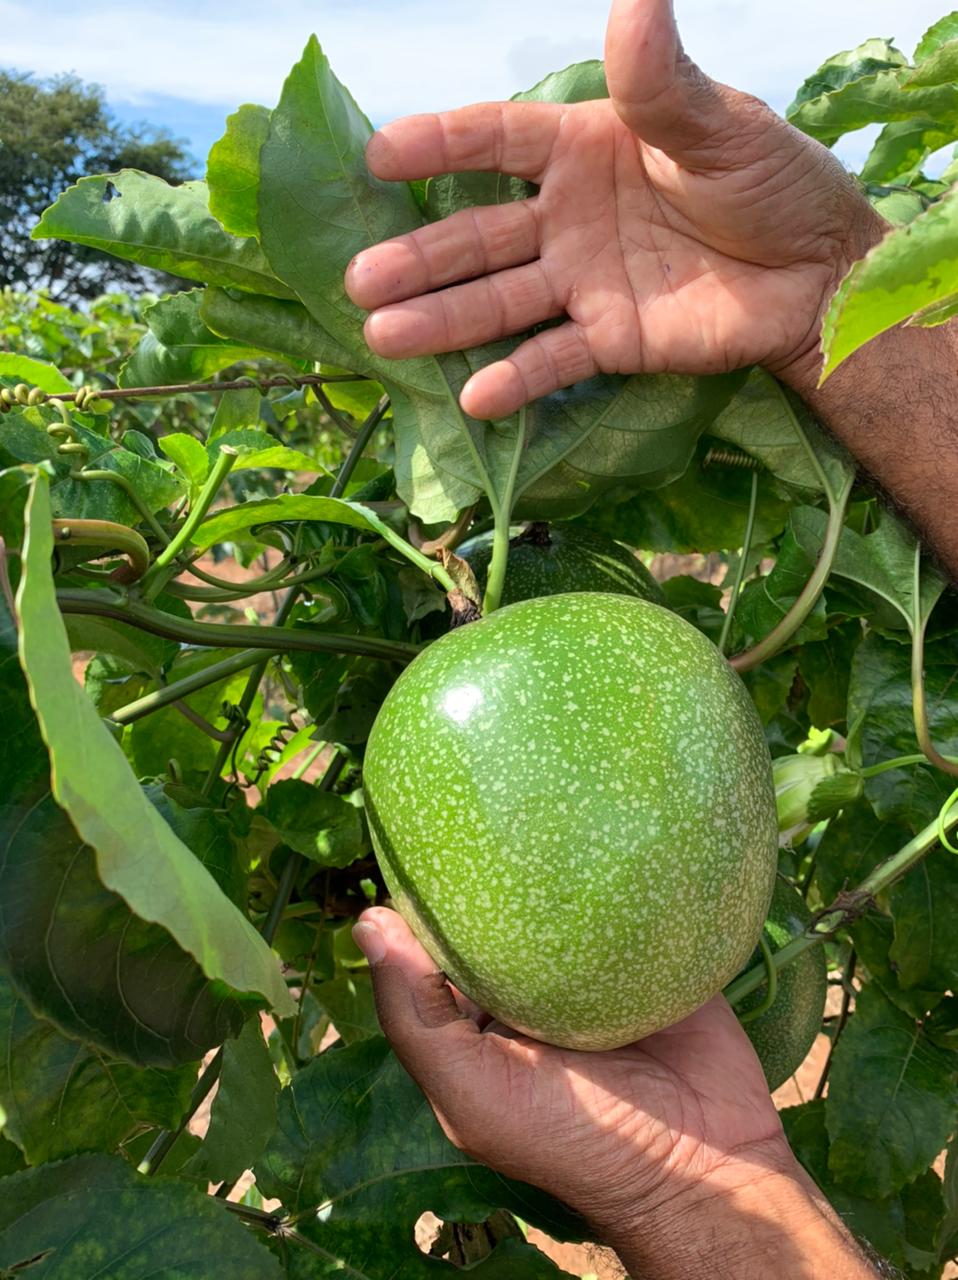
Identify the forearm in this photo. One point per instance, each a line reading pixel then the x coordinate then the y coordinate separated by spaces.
pixel 746 1224
pixel 894 405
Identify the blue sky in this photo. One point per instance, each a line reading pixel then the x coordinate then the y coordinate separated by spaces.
pixel 187 66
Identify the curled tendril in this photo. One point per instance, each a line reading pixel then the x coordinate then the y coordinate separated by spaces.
pixel 70 445
pixel 273 751
pixel 254 384
pixel 942 816
pixel 771 974
pixel 21 395
pixel 86 400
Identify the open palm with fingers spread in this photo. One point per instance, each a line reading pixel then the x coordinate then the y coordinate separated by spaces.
pixel 680 226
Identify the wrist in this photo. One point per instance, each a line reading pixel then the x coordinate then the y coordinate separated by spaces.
pixel 754 1215
pixel 802 368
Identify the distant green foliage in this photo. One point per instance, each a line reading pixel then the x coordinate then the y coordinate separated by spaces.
pixel 52 132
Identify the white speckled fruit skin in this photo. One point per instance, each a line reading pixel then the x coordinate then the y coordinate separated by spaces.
pixel 572 806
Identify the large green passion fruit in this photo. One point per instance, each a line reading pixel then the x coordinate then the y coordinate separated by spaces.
pixel 783 1035
pixel 572 805
pixel 549 560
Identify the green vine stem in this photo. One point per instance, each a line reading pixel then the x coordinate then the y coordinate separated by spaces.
pixel 899 762
pixel 201 723
pixel 108 536
pixel 849 904
pixel 278 639
pixel 358 447
pixel 742 564
pixel 780 635
pixel 225 461
pixel 771 974
pixel 164 1141
pixel 171 693
pixel 502 510
pixel 919 701
pixel 263 581
pixel 942 833
pixel 243 590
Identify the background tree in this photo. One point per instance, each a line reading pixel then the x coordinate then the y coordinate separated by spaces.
pixel 53 132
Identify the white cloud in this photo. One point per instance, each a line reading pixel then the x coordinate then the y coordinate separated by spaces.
pixel 399 56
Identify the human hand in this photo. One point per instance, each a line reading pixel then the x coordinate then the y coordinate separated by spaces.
pixel 670 1148
pixel 680 226
pixel 605 1132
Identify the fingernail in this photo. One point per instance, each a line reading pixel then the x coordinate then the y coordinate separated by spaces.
pixel 370 941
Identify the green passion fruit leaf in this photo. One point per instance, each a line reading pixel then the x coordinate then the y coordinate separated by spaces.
pixel 572 805
pixel 783 1035
pixel 549 560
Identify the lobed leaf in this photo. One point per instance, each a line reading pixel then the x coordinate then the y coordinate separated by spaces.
pixel 902 147
pixel 38 373
pixel 945 28
pixel 74 949
pixel 852 846
pixel 179 347
pixel 166 734
pixel 322 826
pixel 892 1099
pixel 938 68
pixel 318 203
pixel 86 962
pixel 914 268
pixel 349 1002
pixel 243 1114
pixel 24 439
pixel 894 1228
pixel 865 86
pixel 259 450
pixel 771 424
pixel 143 219
pixel 224 525
pixel 232 170
pixel 284 328
pixel 923 904
pixel 188 456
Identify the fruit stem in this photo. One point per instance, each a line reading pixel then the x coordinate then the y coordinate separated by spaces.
pixel 772 992
pixel 742 565
pixel 502 511
pixel 849 904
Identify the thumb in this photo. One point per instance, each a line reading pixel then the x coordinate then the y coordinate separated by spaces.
pixel 417 1009
pixel 663 97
